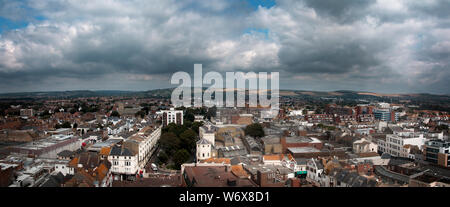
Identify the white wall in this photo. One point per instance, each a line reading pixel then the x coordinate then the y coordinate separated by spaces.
pixel 203 151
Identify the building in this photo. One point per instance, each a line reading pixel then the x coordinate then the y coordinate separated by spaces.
pixel 204 149
pixel 365 118
pixel 253 146
pixel 320 118
pixel 334 109
pixel 384 115
pixel 315 172
pixel 26 113
pixel 364 145
pixel 130 159
pixel 208 132
pixel 437 152
pixel 242 119
pixel 363 109
pixel 397 144
pixel 172 116
pixel 143 143
pixel 214 176
pixel 300 141
pixel 345 178
pixel 345 119
pixel 311 152
pixel 124 163
pixel 270 175
pixel 272 144
pixel 49 147
pixel 232 151
pixel 199 118
pixel 89 170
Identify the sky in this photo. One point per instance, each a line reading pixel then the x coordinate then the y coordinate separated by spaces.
pixel 385 46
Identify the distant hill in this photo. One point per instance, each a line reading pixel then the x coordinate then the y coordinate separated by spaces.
pixel 62 94
pixel 166 93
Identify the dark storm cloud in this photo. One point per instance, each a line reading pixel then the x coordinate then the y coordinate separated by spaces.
pixel 330 58
pixel 436 8
pixel 342 10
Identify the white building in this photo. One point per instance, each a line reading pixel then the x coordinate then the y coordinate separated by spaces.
pixel 64 168
pixel 143 143
pixel 384 105
pixel 295 112
pixel 135 152
pixel 199 118
pixel 26 113
pixel 315 172
pixel 123 161
pixel 171 116
pixel 364 145
pixel 397 144
pixel 204 150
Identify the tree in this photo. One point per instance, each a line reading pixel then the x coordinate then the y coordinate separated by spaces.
pixel 187 123
pixel 254 130
pixel 115 114
pixel 196 125
pixel 170 142
pixel 140 114
pixel 211 112
pixel 305 112
pixel 442 127
pixel 162 157
pixel 189 116
pixel 66 125
pixel 187 139
pixel 73 110
pixel 180 157
pixel 174 128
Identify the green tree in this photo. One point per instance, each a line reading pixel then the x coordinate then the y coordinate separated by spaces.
pixel 174 128
pixel 162 157
pixel 187 139
pixel 73 110
pixel 66 125
pixel 195 126
pixel 254 130
pixel 189 115
pixel 140 114
pixel 115 114
pixel 211 112
pixel 187 123
pixel 170 142
pixel 180 157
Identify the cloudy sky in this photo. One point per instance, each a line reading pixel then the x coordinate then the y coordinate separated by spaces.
pixel 388 46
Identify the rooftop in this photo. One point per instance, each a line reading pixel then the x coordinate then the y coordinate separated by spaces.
pixel 303 150
pixel 215 176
